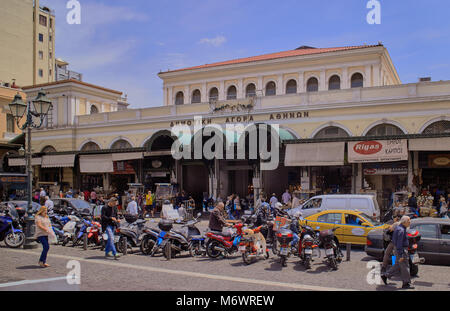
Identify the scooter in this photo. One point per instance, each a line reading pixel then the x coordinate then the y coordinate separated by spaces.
pixel 163 242
pixel 333 252
pixel 414 259
pixel 253 245
pixel 223 243
pixel 58 223
pixel 284 237
pixel 133 234
pixel 10 229
pixel 70 229
pixel 189 239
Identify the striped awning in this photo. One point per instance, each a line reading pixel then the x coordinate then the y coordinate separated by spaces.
pixel 96 163
pixel 316 154
pixel 23 161
pixel 62 160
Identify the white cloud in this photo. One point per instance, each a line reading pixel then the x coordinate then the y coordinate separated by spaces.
pixel 217 41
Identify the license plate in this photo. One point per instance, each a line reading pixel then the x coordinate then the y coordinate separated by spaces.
pixel 284 251
pixel 308 251
pixel 415 258
pixel 242 248
pixel 329 252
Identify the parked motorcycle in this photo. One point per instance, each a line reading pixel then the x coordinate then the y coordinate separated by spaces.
pixel 308 243
pixel 414 259
pixel 220 243
pixel 10 229
pixel 253 245
pixel 133 233
pixel 70 229
pixel 282 249
pixel 333 252
pixel 163 242
pixel 58 223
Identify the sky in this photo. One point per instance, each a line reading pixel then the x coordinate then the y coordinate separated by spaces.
pixel 123 44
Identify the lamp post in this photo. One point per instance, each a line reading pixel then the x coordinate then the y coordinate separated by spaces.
pixel 18 108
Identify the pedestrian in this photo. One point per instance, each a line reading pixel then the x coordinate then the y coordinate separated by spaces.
pixel 400 241
pixel 286 197
pixel 412 204
pixel 149 204
pixel 387 236
pixel 49 205
pixel 132 208
pixel 93 196
pixel 43 231
pixel 443 207
pixel 273 201
pixel 42 194
pixel 109 222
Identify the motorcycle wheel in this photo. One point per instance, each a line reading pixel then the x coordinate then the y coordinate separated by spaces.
pixel 413 269
pixel 15 241
pixel 245 257
pixel 147 245
pixel 283 260
pixel 210 249
pixel 119 246
pixel 194 249
pixel 274 246
pixel 65 241
pixel 168 250
pixel 333 263
pixel 307 262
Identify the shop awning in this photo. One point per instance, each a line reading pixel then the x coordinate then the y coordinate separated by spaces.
pixel 98 163
pixel 62 160
pixel 23 161
pixel 127 156
pixel 316 154
pixel 430 144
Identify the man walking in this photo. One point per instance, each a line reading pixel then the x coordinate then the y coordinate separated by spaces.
pixel 49 205
pixel 388 252
pixel 109 222
pixel 400 241
pixel 132 208
pixel 286 197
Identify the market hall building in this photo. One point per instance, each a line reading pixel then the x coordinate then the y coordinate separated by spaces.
pixel 347 125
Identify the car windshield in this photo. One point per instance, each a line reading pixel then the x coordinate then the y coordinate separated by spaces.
pixel 80 204
pixel 370 220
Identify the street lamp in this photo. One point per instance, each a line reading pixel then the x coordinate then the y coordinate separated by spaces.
pixel 18 108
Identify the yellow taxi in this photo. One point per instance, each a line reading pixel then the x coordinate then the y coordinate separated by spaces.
pixel 353 226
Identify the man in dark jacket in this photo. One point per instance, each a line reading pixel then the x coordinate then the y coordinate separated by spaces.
pixel 217 220
pixel 412 203
pixel 400 241
pixel 109 222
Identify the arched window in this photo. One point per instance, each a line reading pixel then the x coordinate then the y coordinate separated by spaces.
pixel 90 146
pixel 271 89
pixel 334 83
pixel 48 149
pixel 385 130
pixel 94 109
pixel 331 132
pixel 439 127
pixel 312 85
pixel 196 97
pixel 250 90
pixel 179 99
pixel 121 144
pixel 213 94
pixel 357 80
pixel 231 93
pixel 291 87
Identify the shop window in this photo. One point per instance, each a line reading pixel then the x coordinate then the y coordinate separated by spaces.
pixel 196 97
pixel 271 89
pixel 438 128
pixel 250 90
pixel 291 87
pixel 334 83
pixel 231 93
pixel 179 98
pixel 357 80
pixel 214 94
pixel 312 85
pixel 427 230
pixel 385 130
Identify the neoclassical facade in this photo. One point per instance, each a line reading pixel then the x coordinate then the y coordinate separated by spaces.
pixel 318 98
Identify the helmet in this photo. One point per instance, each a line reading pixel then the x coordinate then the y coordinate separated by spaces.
pixel 278 205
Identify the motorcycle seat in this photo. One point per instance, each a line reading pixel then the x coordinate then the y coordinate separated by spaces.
pixel 224 234
pixel 197 237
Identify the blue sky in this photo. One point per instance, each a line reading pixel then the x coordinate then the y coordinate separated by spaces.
pixel 124 44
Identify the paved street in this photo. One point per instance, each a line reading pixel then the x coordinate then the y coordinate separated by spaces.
pixel 138 272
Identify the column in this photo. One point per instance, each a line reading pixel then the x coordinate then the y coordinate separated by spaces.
pixel 222 90
pixel 204 93
pixel 187 95
pixel 240 89
pixel 259 87
pixel 280 85
pixel 368 74
pixel 410 170
pixel 344 82
pixel 359 178
pixel 301 82
pixel 376 75
pixel 322 82
pixel 170 96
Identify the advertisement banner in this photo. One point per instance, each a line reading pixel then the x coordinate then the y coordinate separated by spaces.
pixel 378 151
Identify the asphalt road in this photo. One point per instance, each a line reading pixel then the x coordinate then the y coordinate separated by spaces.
pixel 19 271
